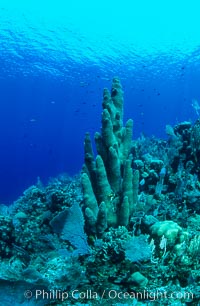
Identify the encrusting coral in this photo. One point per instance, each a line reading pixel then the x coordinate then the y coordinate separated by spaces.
pixel 110 186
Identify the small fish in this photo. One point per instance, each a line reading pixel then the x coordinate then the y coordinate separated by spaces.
pixel 84 84
pixel 32 120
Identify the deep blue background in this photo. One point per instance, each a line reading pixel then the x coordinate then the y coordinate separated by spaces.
pixel 50 95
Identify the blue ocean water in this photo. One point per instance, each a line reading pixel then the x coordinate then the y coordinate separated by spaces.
pixel 55 60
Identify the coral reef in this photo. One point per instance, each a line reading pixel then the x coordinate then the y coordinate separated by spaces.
pixel 126 231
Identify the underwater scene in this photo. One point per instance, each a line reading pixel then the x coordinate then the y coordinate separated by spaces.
pixel 99 153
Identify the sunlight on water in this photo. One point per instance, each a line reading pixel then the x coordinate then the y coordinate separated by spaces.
pixel 53 32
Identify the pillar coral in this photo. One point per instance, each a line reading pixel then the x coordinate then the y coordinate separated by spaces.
pixel 110 186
